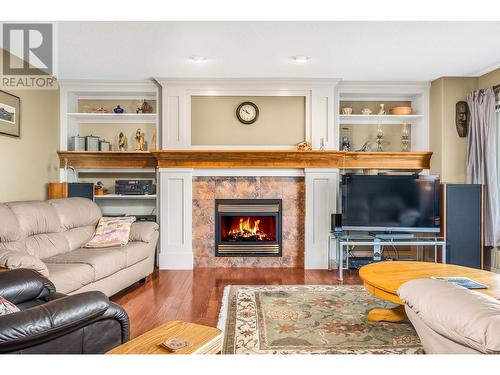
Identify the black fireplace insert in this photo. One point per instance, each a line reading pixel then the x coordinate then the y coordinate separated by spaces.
pixel 248 227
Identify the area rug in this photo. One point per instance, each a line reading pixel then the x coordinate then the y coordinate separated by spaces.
pixel 309 319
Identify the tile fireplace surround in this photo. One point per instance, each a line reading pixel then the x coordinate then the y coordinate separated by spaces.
pixel 291 190
pixel 187 211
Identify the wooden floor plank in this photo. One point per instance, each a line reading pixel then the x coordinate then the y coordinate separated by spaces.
pixel 195 295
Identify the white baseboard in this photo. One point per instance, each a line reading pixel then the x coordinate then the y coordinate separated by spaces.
pixel 180 260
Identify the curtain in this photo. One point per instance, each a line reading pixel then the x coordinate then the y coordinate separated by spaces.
pixel 482 158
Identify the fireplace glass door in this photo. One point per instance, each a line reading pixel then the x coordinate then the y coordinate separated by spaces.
pixel 248 227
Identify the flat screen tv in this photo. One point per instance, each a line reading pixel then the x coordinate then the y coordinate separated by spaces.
pixel 391 203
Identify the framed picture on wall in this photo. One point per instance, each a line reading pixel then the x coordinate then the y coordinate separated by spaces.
pixel 10 110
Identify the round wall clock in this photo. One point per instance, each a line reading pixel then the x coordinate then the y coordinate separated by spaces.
pixel 247 113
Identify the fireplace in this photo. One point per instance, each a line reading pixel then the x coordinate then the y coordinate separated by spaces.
pixel 248 227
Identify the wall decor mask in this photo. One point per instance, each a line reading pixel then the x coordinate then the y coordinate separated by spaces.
pixel 462 118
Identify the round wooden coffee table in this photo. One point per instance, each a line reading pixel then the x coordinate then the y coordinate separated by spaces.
pixel 383 279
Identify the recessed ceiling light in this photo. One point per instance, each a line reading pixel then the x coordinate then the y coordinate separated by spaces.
pixel 197 59
pixel 301 59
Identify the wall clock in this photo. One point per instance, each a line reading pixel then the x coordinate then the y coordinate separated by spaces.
pixel 247 113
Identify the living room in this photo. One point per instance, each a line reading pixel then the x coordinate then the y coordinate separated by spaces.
pixel 214 184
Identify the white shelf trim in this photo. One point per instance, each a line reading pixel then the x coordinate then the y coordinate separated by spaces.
pixel 149 118
pixel 124 197
pixel 377 119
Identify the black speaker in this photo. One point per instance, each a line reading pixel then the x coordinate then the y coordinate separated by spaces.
pixel 336 222
pixel 463 224
pixel 81 189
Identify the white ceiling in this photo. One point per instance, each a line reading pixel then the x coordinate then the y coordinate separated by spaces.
pixel 414 51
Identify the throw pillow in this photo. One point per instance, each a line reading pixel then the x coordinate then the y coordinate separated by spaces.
pixel 7 307
pixel 111 231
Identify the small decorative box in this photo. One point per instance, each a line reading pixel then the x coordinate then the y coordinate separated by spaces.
pixel 77 143
pixel 91 143
pixel 104 146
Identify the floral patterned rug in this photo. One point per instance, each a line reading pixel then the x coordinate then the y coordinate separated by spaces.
pixel 309 319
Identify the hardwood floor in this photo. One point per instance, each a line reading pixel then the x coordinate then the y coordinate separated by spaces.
pixel 195 296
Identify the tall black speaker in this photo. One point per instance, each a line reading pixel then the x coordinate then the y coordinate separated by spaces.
pixel 81 189
pixel 463 224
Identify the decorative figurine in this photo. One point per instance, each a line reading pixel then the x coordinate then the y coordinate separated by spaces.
pixel 346 143
pixel 139 140
pixel 118 109
pixel 100 109
pixel 405 138
pixel 122 142
pixel 381 111
pixel 153 141
pixel 304 146
pixel 322 144
pixel 380 138
pixel 462 118
pixel 144 107
pixel 366 111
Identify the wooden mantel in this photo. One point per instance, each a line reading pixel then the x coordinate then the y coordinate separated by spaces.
pixel 106 159
pixel 291 159
pixel 247 159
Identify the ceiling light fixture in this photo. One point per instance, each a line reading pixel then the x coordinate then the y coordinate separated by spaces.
pixel 301 59
pixel 197 59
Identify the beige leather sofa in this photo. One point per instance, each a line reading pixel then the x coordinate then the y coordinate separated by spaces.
pixel 450 319
pixel 48 236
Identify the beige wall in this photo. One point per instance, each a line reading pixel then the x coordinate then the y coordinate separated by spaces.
pixel 281 121
pixel 449 149
pixel 489 79
pixel 449 159
pixel 28 163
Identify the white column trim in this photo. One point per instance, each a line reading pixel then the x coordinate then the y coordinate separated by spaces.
pixel 176 212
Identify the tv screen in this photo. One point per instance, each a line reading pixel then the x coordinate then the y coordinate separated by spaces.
pixel 391 203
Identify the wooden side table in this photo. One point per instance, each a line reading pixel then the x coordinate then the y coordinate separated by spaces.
pixel 206 340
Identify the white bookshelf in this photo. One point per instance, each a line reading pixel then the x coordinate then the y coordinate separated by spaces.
pixel 416 94
pixel 78 98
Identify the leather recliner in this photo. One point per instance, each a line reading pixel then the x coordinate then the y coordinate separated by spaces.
pixel 55 323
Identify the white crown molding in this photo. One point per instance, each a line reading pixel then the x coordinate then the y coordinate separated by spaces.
pixel 257 81
pixel 487 70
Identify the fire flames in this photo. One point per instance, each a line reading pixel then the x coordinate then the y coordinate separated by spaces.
pixel 245 231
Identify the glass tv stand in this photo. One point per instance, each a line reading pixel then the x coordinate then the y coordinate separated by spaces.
pixel 345 240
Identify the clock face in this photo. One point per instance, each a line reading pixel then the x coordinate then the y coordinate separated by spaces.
pixel 247 113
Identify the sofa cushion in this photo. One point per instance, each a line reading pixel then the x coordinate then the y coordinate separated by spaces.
pixel 468 317
pixel 105 262
pixel 143 231
pixel 78 237
pixel 9 230
pixel 70 277
pixel 15 259
pixel 45 245
pixel 35 217
pixel 135 252
pixel 76 212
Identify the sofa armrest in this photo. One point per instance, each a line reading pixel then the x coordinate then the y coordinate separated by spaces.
pixel 464 316
pixel 55 318
pixel 23 285
pixel 143 231
pixel 15 259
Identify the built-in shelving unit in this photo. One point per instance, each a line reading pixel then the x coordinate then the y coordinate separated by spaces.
pixel 79 102
pixel 362 129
